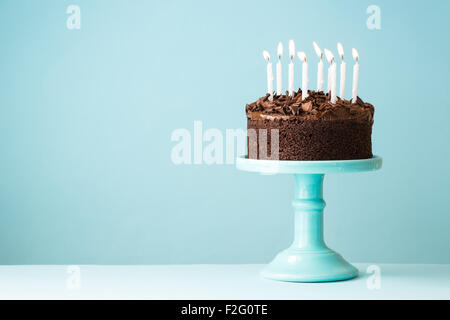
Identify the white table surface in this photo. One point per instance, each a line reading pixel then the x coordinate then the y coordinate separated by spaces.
pixel 398 281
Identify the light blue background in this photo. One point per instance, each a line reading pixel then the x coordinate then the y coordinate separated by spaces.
pixel 86 119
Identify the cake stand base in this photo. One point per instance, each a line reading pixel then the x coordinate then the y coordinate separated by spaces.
pixel 308 259
pixel 303 266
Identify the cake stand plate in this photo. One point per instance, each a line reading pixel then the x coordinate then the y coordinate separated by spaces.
pixel 308 259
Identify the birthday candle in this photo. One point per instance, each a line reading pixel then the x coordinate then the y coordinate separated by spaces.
pixel 343 71
pixel 319 66
pixel 355 75
pixel 269 74
pixel 331 75
pixel 302 56
pixel 279 78
pixel 334 82
pixel 291 67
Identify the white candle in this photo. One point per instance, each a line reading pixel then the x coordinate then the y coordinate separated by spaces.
pixel 343 71
pixel 329 78
pixel 331 75
pixel 302 56
pixel 333 82
pixel 291 67
pixel 319 67
pixel 355 75
pixel 320 75
pixel 269 74
pixel 279 79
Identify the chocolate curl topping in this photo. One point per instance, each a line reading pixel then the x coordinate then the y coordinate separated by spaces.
pixel 317 103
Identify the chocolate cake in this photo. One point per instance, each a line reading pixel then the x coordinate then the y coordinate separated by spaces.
pixel 312 129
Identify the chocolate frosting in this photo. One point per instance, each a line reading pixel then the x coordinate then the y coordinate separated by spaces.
pixel 316 106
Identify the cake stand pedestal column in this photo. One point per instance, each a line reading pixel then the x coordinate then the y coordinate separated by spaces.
pixel 308 259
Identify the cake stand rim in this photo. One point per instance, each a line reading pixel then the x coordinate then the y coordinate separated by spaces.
pixel 308 166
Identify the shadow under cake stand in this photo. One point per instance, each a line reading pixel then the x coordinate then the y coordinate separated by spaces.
pixel 308 259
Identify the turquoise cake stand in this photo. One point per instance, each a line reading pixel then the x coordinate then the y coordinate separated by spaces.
pixel 308 259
